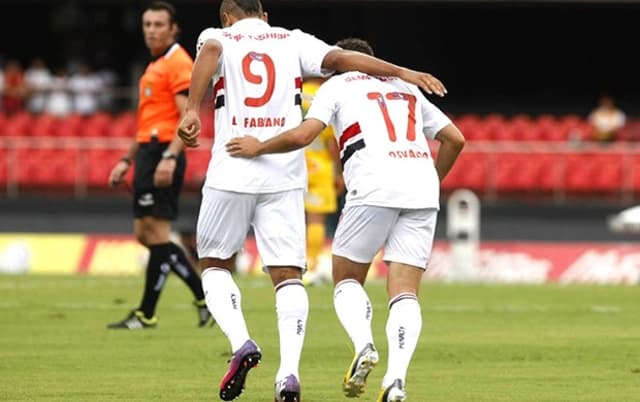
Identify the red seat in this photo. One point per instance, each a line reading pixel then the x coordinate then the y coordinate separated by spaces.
pixel 503 131
pixel 495 124
pixel 96 125
pixel 100 162
pixel 630 131
pixel 197 165
pixel 524 128
pixel 594 172
pixel 47 167
pixel 468 124
pixel 523 172
pixel 3 167
pixel 635 173
pixel 3 123
pixel 574 127
pixel 19 124
pixel 470 171
pixel 44 125
pixel 70 126
pixel 550 171
pixel 206 118
pixel 533 133
pixel 555 133
pixel 123 125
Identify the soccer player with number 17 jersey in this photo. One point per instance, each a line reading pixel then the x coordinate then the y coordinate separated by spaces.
pixel 257 74
pixel 382 126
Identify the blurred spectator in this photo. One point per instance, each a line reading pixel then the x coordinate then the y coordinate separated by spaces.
pixel 85 87
pixel 106 98
pixel 59 103
pixel 606 119
pixel 109 77
pixel 13 88
pixel 38 80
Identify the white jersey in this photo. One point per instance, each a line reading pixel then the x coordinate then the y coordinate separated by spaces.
pixel 381 126
pixel 257 91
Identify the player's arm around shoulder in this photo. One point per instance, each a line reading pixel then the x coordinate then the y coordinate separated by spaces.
pixel 346 60
pixel 290 140
pixel 451 144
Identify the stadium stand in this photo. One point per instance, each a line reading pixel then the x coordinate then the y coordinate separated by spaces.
pixel 520 155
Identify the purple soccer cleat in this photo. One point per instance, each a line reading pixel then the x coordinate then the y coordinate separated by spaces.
pixel 243 360
pixel 288 389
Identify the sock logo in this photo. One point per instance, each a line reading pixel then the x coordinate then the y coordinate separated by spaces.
pixel 165 268
pixel 234 301
pixel 401 337
pixel 299 327
pixel 369 311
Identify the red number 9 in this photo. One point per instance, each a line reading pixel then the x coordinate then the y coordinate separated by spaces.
pixel 257 79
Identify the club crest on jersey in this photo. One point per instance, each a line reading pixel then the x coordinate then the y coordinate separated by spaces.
pixel 147 90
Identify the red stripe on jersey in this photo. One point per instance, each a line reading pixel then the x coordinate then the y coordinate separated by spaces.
pixel 348 133
pixel 298 82
pixel 219 85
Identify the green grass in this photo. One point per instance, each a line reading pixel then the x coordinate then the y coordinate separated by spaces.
pixel 479 343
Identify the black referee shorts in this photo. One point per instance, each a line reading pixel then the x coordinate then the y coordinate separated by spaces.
pixel 149 200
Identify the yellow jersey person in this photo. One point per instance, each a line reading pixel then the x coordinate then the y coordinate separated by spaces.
pixel 325 184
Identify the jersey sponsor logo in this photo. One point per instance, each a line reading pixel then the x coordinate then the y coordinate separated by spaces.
pixel 146 200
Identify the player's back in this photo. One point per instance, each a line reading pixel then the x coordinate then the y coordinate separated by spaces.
pixel 258 93
pixel 382 125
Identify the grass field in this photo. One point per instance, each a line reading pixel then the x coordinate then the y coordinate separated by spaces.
pixel 479 343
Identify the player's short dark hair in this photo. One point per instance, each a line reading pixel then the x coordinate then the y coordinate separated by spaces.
pixel 356 45
pixel 168 7
pixel 247 7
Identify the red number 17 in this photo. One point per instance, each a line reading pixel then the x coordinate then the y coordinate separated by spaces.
pixel 410 99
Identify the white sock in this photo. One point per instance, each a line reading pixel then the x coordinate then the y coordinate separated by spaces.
pixel 354 311
pixel 403 329
pixel 292 307
pixel 224 302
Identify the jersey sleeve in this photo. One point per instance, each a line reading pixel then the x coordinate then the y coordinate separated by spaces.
pixel 209 33
pixel 311 51
pixel 433 119
pixel 180 72
pixel 324 103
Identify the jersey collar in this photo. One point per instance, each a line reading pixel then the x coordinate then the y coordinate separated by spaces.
pixel 250 21
pixel 166 52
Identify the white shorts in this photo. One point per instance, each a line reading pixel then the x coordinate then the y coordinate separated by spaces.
pixel 278 222
pixel 405 235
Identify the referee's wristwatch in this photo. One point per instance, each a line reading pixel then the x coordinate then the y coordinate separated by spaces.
pixel 169 155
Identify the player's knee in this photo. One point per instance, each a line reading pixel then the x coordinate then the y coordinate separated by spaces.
pixel 281 274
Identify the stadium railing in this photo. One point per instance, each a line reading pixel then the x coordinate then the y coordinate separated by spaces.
pixel 519 156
